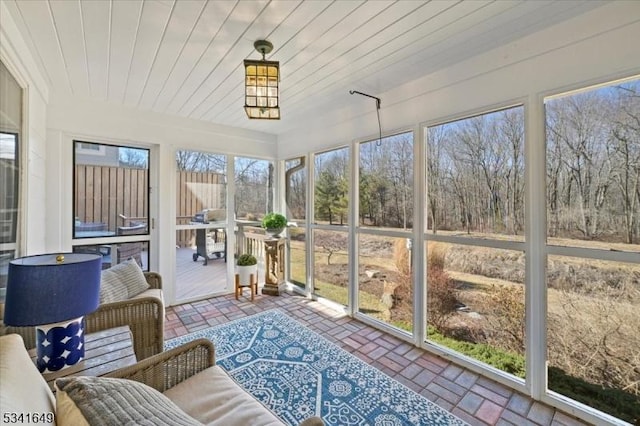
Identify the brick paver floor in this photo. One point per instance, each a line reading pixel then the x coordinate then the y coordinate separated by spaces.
pixel 473 398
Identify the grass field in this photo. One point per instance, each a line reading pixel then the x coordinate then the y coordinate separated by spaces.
pixel 592 308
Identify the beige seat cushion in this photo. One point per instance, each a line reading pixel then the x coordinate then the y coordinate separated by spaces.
pixel 103 400
pixel 213 398
pixel 152 292
pixel 22 387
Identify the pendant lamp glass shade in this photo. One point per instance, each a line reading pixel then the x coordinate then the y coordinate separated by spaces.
pixel 262 89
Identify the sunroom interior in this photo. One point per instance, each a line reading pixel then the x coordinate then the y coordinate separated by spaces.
pixel 462 176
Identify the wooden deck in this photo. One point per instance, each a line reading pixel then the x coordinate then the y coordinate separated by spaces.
pixel 194 280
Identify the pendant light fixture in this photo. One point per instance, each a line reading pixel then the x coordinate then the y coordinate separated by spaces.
pixel 262 77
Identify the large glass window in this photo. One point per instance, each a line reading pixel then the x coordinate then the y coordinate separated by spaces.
pixel 593 225
pixel 330 240
pixel 9 176
pixel 111 201
pixel 331 196
pixel 386 182
pixel 593 168
pixel 593 339
pixel 254 180
pixel 111 190
pixel 385 284
pixel 10 166
pixel 254 188
pixel 475 303
pixel 331 265
pixel 296 198
pixel 475 176
pixel 385 217
pixel 475 262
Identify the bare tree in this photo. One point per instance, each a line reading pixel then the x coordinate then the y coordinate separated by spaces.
pixel 133 157
pixel 435 174
pixel 624 151
pixel 194 161
pixel 253 195
pixel 575 123
pixel 511 137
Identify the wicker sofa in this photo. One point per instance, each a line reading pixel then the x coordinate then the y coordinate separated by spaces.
pixel 186 376
pixel 144 314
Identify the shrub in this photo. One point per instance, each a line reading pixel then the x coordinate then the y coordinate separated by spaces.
pixel 247 260
pixel 596 339
pixel 505 361
pixel 274 221
pixel 616 402
pixel 441 298
pixel 402 259
pixel 436 254
pixel 441 290
pixel 506 324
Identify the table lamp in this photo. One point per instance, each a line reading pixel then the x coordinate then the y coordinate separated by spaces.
pixel 53 292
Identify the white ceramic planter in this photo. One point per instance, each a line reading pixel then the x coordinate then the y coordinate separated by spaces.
pixel 245 272
pixel 274 232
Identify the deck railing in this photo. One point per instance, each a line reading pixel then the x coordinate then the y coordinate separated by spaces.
pixel 249 239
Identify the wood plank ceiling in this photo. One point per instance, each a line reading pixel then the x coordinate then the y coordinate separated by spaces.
pixel 185 57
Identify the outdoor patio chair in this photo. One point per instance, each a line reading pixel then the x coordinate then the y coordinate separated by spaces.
pixel 103 250
pixel 90 226
pixel 132 221
pixel 133 250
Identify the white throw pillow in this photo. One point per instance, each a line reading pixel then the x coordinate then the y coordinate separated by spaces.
pixel 122 282
pixel 103 400
pixel 111 288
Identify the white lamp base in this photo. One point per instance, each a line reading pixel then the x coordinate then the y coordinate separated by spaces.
pixel 59 345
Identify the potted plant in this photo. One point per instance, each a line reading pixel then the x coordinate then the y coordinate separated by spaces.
pixel 247 265
pixel 274 224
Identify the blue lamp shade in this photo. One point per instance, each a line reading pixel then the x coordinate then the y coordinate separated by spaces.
pixel 53 292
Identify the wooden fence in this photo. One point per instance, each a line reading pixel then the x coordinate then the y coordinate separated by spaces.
pixel 197 191
pixel 104 193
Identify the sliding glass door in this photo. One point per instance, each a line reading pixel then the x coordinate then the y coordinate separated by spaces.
pixel 330 232
pixel 201 224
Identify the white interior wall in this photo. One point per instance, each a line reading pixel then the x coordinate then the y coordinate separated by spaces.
pixel 73 119
pixel 14 53
pixel 598 46
pixel 100 119
pixel 595 47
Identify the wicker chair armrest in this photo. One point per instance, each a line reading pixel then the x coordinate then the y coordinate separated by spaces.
pixel 154 279
pixel 167 369
pixel 147 342
pixel 28 334
pixel 143 315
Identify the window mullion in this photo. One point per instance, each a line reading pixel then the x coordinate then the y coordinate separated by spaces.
pixel 535 232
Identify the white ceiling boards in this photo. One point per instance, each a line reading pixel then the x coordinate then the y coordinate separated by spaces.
pixel 185 57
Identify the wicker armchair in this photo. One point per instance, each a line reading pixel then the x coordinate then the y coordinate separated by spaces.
pixel 144 314
pixel 167 369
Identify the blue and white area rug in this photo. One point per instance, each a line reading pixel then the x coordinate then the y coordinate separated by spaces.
pixel 297 373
